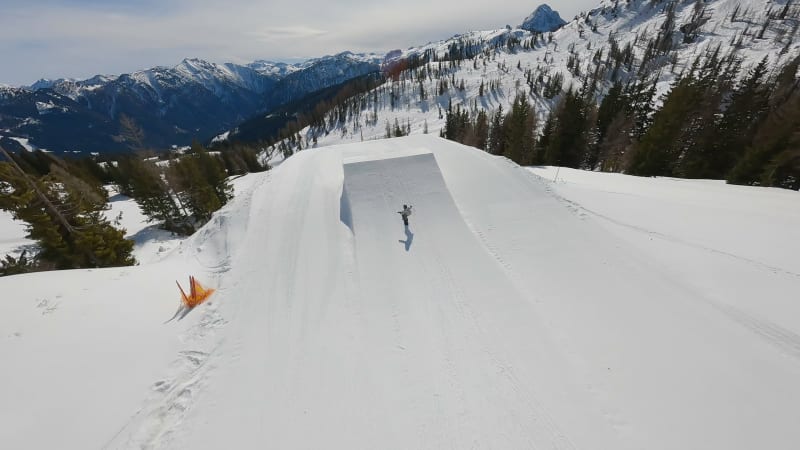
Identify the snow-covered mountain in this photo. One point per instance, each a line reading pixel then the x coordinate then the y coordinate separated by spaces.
pixel 478 70
pixel 542 20
pixel 608 43
pixel 195 99
pixel 278 69
pixel 72 88
pixel 319 73
pixel 600 311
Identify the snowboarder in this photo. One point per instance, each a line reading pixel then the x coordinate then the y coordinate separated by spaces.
pixel 405 213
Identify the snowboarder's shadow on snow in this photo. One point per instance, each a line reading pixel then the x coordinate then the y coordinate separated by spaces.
pixel 409 238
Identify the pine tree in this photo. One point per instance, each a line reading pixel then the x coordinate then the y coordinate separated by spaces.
pixel 201 183
pixel 214 173
pixel 613 102
pixel 496 141
pixel 773 157
pixel 656 153
pixel 616 145
pixel 15 266
pixel 694 146
pixel 155 197
pixel 564 139
pixel 748 104
pixel 64 215
pixel 131 133
pixel 397 131
pixel 591 156
pixel 518 131
pixel 481 130
pixel 641 105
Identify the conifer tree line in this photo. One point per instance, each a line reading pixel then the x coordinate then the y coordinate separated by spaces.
pixel 180 193
pixel 62 205
pixel 428 75
pixel 62 200
pixel 709 125
pixel 719 120
pixel 336 110
pixel 181 189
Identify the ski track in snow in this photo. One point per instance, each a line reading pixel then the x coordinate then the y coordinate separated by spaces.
pixel 155 425
pixel 579 209
pixel 783 339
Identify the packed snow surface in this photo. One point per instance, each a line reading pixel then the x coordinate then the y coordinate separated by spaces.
pixel 596 312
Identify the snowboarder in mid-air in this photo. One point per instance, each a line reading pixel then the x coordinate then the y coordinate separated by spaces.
pixel 405 213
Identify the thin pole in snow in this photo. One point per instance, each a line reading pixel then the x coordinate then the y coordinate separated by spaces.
pixel 556 177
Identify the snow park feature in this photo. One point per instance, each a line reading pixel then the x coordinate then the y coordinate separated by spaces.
pixel 599 311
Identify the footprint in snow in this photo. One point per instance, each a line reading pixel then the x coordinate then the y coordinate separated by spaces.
pixel 161 386
pixel 46 305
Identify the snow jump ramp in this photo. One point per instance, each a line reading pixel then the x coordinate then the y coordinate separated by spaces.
pixel 445 324
pixel 403 338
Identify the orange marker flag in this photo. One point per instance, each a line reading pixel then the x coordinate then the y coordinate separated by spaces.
pixel 197 293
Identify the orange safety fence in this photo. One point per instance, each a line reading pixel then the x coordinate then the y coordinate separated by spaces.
pixel 197 293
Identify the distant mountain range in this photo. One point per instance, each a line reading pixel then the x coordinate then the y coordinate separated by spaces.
pixel 196 99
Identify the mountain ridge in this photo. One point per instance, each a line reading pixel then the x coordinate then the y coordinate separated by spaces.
pixel 621 41
pixel 543 19
pixel 195 99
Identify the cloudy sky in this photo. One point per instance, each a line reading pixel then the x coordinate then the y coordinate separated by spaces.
pixel 81 38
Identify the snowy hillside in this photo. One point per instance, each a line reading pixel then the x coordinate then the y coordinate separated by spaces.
pixel 319 73
pixel 612 41
pixel 514 312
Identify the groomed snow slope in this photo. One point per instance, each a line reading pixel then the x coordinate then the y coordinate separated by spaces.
pixel 505 317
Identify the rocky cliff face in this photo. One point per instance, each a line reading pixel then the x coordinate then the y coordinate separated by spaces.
pixel 542 20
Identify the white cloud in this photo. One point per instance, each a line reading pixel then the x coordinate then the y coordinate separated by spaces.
pixel 270 34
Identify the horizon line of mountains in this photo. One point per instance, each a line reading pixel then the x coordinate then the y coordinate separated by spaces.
pixel 173 106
